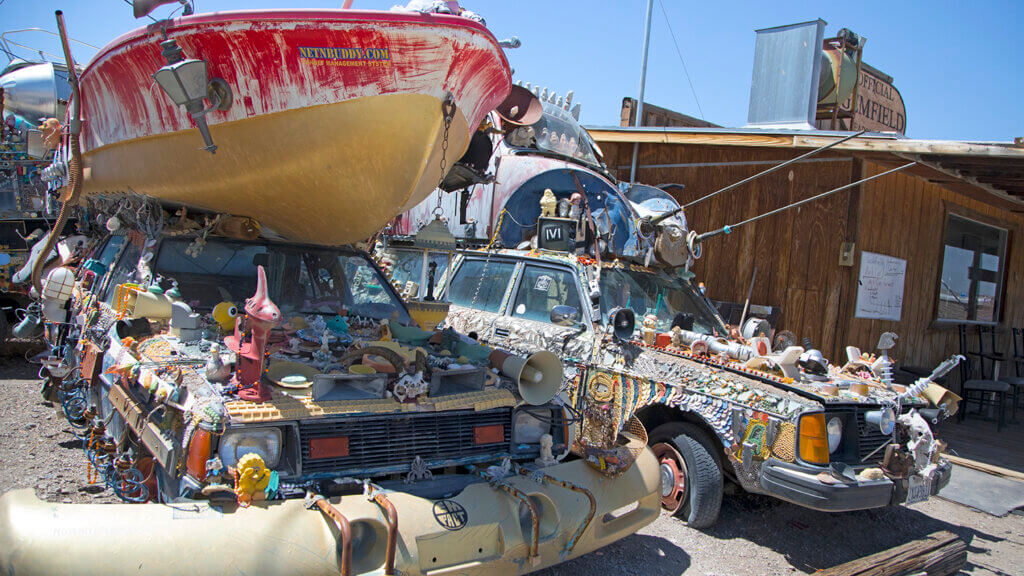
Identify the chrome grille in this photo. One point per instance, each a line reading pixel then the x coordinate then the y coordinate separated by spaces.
pixel 387 444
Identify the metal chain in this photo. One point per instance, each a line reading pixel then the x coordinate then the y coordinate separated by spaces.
pixel 487 260
pixel 448 109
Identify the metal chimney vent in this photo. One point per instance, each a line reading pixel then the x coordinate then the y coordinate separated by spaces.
pixel 784 88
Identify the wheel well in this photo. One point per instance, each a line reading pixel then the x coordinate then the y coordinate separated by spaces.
pixel 657 414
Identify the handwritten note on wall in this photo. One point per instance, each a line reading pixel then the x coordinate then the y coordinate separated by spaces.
pixel 880 286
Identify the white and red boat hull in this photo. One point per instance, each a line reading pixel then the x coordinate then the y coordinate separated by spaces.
pixel 336 124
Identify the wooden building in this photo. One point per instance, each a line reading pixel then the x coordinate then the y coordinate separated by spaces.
pixel 956 218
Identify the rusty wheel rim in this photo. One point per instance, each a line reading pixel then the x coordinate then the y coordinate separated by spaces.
pixel 673 474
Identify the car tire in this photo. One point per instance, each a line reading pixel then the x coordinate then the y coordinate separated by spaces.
pixel 684 449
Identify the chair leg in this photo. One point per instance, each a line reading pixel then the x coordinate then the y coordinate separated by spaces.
pixel 1001 397
pixel 1013 403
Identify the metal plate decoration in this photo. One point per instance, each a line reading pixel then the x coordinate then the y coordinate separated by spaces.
pixel 450 514
pixel 919 490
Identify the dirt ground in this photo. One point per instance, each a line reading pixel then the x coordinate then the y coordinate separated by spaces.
pixel 754 535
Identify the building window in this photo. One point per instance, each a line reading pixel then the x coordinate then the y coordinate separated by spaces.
pixel 973 262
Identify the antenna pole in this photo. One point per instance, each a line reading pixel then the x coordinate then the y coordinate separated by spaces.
pixel 643 82
pixel 734 185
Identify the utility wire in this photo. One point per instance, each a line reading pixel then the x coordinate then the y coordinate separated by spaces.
pixel 681 61
pixel 729 228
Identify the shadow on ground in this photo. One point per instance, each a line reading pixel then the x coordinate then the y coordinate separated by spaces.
pixel 635 554
pixel 812 540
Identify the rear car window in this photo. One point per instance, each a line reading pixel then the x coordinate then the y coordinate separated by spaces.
pixel 480 285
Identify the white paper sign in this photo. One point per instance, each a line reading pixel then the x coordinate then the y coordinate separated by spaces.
pixel 880 286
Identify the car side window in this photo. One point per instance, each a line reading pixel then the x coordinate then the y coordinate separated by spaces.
pixel 541 289
pixel 125 271
pixel 480 285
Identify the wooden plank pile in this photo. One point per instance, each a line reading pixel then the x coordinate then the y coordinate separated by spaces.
pixel 938 554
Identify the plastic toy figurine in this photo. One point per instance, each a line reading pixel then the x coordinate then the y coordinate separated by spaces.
pixel 253 479
pixel 250 342
pixel 548 204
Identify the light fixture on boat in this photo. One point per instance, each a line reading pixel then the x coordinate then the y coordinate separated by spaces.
pixel 142 8
pixel 184 82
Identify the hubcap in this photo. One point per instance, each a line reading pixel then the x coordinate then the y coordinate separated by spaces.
pixel 672 470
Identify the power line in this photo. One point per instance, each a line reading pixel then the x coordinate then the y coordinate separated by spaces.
pixel 681 61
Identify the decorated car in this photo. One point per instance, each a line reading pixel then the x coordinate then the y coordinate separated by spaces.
pixel 253 388
pixel 565 259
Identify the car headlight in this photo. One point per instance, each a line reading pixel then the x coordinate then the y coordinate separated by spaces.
pixel 263 441
pixel 835 433
pixel 528 425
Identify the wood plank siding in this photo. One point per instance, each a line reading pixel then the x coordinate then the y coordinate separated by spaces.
pixel 797 252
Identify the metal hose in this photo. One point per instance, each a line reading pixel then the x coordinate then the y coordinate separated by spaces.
pixel 75 166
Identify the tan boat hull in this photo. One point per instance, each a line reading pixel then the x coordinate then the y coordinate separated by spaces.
pixel 286 538
pixel 328 174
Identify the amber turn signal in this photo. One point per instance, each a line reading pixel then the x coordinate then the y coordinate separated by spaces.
pixel 813 439
pixel 198 453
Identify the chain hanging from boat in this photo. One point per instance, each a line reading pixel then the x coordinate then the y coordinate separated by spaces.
pixel 448 109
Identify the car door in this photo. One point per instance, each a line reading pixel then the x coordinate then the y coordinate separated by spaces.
pixel 538 289
pixel 478 292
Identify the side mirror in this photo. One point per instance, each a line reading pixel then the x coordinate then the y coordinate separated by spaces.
pixel 562 315
pixel 623 322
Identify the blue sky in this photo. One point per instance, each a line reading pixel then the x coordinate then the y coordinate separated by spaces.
pixel 956 64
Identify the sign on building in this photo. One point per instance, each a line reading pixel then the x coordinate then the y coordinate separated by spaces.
pixel 880 287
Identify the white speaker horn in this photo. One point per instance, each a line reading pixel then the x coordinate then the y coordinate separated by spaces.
pixel 538 377
pixel 148 305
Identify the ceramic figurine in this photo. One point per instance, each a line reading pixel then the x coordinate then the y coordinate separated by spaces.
pixel 214 469
pixel 323 355
pixel 216 369
pixel 318 324
pixel 677 337
pixel 649 332
pixel 431 273
pixel 325 342
pixel 546 457
pixel 548 204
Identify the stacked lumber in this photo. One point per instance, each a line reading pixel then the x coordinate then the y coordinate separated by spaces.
pixel 938 554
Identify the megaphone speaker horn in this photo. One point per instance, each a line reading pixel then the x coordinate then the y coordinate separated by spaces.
pixel 148 305
pixel 623 322
pixel 539 377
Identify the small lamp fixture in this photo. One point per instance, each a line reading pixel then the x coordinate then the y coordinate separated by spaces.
pixel 184 82
pixel 426 306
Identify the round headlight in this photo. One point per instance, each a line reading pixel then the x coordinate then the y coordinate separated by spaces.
pixel 529 425
pixel 263 441
pixel 835 433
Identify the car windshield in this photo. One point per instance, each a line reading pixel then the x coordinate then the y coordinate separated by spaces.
pixel 301 279
pixel 669 299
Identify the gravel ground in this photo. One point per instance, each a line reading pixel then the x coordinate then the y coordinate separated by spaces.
pixel 754 535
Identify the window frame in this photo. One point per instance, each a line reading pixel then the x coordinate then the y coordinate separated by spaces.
pixel 1001 273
